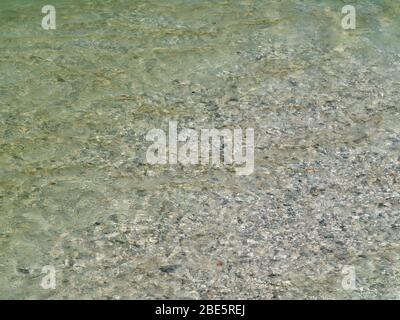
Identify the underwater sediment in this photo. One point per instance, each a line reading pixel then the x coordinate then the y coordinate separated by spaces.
pixel 78 194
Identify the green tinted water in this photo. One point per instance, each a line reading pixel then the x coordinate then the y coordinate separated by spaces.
pixel 76 103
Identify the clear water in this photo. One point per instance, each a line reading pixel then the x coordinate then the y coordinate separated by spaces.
pixel 76 103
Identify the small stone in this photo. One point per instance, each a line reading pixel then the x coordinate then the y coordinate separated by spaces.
pixel 169 268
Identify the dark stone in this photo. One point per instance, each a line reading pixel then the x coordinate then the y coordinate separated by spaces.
pixel 23 270
pixel 169 268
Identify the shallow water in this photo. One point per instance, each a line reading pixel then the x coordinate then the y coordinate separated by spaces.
pixel 76 191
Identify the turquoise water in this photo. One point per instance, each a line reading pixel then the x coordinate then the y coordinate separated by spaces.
pixel 76 103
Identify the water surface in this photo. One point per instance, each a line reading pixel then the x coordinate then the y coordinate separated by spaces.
pixel 76 191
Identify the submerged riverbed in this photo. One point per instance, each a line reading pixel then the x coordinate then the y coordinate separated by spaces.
pixel 77 193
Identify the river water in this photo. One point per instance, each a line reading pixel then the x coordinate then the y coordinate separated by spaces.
pixel 77 193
